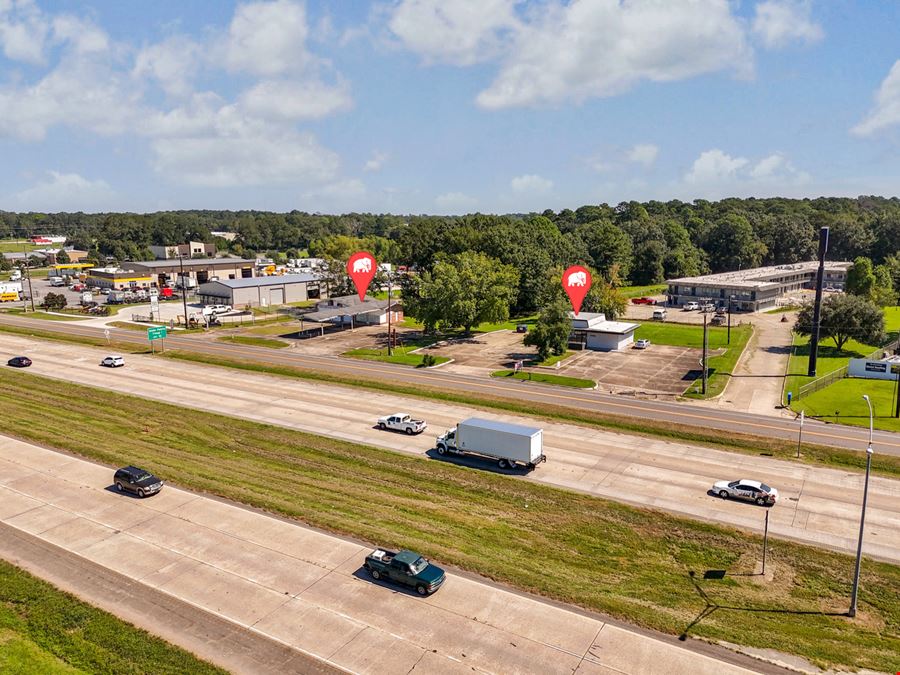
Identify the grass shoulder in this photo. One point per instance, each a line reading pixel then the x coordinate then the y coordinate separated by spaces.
pixel 45 630
pixel 253 341
pixel 403 355
pixel 45 316
pixel 642 566
pixel 546 378
pixel 842 403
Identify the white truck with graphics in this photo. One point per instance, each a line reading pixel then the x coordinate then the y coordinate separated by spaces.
pixel 511 445
pixel 402 422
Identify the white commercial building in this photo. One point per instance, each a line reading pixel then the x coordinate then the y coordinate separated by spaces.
pixel 754 289
pixel 593 331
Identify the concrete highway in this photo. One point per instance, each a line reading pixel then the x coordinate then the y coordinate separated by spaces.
pixel 728 422
pixel 818 506
pixel 306 589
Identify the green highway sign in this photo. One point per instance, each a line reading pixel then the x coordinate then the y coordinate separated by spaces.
pixel 156 333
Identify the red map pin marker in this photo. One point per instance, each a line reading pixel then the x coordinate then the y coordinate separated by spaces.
pixel 576 283
pixel 361 268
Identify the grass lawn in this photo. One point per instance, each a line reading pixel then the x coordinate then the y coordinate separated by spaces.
pixel 845 397
pixel 546 378
pixel 643 566
pixel 253 341
pixel 892 320
pixel 44 315
pixel 14 246
pixel 44 630
pixel 829 360
pixel 277 328
pixel 642 291
pixel 553 359
pixel 401 355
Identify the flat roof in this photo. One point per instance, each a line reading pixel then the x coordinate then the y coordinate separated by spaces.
pixel 327 312
pixel 759 276
pixel 193 262
pixel 616 327
pixel 505 427
pixel 254 282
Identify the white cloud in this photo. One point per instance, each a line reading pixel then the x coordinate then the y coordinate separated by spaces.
pixel 714 166
pixel 886 112
pixel 23 31
pixel 591 48
pixel 296 99
pixel 460 32
pixel 267 38
pixel 716 174
pixel 83 36
pixel 344 190
pixel 779 22
pixel 64 192
pixel 455 203
pixel 255 156
pixel 375 162
pixel 172 63
pixel 530 184
pixel 643 153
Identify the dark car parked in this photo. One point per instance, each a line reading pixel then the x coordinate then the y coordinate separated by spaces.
pixel 19 362
pixel 140 482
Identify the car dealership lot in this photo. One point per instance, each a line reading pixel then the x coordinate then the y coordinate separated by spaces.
pixel 817 505
pixel 306 588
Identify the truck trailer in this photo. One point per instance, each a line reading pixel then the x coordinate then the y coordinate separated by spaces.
pixel 510 444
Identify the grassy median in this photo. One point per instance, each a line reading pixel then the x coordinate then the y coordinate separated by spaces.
pixel 45 630
pixel 644 566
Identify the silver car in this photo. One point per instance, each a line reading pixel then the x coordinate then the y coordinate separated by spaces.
pixel 750 490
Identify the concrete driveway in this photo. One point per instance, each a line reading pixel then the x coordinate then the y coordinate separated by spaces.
pixel 305 588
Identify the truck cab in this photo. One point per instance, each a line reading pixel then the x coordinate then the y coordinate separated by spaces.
pixel 406 568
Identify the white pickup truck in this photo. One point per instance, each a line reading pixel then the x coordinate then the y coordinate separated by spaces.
pixel 402 422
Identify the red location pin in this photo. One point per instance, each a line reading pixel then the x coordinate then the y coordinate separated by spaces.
pixel 361 268
pixel 576 283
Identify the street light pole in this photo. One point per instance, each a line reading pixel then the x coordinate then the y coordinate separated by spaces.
pixel 730 299
pixel 183 290
pixel 862 518
pixel 390 337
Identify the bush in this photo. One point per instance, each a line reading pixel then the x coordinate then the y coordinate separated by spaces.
pixel 54 301
pixel 428 360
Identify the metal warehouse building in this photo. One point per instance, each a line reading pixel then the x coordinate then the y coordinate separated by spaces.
pixel 200 270
pixel 262 291
pixel 755 289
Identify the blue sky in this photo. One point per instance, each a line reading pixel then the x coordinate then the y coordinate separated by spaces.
pixel 443 106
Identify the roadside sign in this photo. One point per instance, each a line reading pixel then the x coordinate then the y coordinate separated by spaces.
pixel 154 305
pixel 156 333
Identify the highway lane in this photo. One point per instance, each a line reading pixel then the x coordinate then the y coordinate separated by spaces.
pixel 818 506
pixel 706 419
pixel 306 589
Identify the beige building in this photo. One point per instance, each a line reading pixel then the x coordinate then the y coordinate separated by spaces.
pixel 754 289
pixel 196 271
pixel 118 279
pixel 262 291
pixel 188 250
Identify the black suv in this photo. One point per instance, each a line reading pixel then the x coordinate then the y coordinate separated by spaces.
pixel 142 483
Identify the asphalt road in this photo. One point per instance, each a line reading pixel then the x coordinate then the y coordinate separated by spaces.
pixel 682 413
pixel 306 589
pixel 818 506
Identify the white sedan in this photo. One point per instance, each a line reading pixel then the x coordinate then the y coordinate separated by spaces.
pixel 643 343
pixel 750 490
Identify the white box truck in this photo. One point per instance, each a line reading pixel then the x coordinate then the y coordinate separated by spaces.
pixel 510 444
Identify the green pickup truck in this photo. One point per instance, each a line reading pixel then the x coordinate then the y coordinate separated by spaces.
pixel 407 568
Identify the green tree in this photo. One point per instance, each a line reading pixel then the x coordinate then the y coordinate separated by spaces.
pixel 883 294
pixel 54 301
pixel 550 333
pixel 648 262
pixel 608 246
pixel 62 257
pixel 604 298
pixel 845 317
pixel 732 244
pixel 861 278
pixel 461 291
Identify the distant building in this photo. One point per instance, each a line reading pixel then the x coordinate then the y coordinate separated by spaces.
pixel 188 250
pixel 48 239
pixel 227 236
pixel 261 291
pixel 118 279
pixel 592 331
pixel 755 289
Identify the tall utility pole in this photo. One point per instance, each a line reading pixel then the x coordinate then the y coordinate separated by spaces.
pixel 817 309
pixel 705 351
pixel 28 275
pixel 862 517
pixel 183 290
pixel 390 337
pixel 730 300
